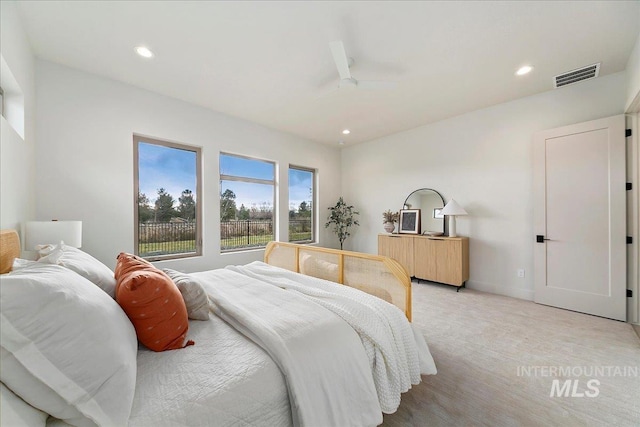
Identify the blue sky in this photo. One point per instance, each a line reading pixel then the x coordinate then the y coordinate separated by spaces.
pixel 165 167
pixel 300 185
pixel 175 170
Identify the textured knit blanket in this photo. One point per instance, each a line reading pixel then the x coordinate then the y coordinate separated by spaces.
pixel 397 354
pixel 321 358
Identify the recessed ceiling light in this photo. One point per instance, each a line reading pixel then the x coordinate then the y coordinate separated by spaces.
pixel 144 52
pixel 524 70
pixel 340 142
pixel 346 132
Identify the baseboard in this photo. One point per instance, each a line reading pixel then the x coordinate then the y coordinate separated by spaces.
pixel 501 290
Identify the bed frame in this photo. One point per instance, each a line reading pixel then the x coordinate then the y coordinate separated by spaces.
pixel 377 275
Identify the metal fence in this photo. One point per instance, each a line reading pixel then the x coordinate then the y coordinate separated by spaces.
pixel 300 230
pixel 245 234
pixel 169 238
pixel 166 238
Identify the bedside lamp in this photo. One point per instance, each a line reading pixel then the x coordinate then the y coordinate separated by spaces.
pixel 52 232
pixel 453 209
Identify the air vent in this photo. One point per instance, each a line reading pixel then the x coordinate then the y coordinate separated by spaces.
pixel 574 76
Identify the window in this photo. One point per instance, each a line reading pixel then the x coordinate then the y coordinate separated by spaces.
pixel 12 99
pixel 247 200
pixel 167 208
pixel 301 205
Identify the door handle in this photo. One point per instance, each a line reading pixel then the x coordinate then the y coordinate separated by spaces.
pixel 540 238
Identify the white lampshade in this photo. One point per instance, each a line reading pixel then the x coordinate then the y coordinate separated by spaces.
pixel 452 209
pixel 52 232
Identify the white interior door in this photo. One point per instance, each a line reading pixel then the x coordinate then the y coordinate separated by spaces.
pixel 580 210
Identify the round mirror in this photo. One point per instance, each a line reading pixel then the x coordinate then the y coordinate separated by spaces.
pixel 430 203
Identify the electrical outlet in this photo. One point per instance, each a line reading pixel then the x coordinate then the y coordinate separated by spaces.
pixel 521 272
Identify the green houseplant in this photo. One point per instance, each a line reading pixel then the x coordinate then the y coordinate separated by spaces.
pixel 341 218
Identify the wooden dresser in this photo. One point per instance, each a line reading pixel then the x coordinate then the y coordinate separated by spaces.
pixel 437 259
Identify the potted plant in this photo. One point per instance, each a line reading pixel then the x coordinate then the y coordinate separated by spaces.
pixel 342 218
pixel 389 219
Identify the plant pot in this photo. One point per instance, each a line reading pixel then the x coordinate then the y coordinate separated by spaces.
pixel 389 227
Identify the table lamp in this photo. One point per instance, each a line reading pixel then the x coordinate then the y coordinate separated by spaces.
pixel 52 232
pixel 453 209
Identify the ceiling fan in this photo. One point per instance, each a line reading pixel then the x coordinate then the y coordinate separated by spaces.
pixel 347 81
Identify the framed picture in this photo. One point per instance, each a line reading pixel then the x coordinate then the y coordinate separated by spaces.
pixel 410 221
pixel 437 213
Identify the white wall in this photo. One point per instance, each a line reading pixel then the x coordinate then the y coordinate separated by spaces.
pixel 85 159
pixel 483 159
pixel 17 193
pixel 633 75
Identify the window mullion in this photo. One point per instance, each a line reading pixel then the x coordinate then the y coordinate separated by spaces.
pixel 244 179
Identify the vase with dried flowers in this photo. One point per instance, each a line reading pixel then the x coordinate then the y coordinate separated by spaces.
pixel 389 219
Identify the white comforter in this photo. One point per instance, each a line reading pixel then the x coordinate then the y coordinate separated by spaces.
pixel 224 380
pixel 397 353
pixel 227 380
pixel 323 361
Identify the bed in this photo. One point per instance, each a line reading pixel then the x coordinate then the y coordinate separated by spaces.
pixel 278 347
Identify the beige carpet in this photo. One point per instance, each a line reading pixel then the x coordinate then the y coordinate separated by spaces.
pixel 480 340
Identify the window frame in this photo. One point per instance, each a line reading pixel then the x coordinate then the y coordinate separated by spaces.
pixel 314 195
pixel 137 139
pixel 274 183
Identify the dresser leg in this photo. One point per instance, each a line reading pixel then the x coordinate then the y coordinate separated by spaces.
pixel 463 285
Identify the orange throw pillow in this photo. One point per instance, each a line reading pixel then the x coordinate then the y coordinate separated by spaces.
pixel 153 303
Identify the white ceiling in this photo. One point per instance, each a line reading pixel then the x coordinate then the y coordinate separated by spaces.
pixel 268 62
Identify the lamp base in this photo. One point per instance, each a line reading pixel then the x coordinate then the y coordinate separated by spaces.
pixel 452 226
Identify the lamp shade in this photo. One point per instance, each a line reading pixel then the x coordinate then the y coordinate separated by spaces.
pixel 52 232
pixel 453 208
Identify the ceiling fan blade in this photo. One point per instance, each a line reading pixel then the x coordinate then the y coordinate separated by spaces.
pixel 376 85
pixel 340 58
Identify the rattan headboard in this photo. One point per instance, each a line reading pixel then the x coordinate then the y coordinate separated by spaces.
pixel 9 249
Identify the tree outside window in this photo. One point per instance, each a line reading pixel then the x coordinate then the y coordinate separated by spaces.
pixel 167 182
pixel 250 184
pixel 301 202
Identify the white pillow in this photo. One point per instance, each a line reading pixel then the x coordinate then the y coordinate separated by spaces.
pixel 193 294
pixel 82 263
pixel 67 348
pixel 16 412
pixel 19 263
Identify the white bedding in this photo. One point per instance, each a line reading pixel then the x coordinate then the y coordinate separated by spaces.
pixel 397 355
pixel 222 380
pixel 323 361
pixel 319 377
